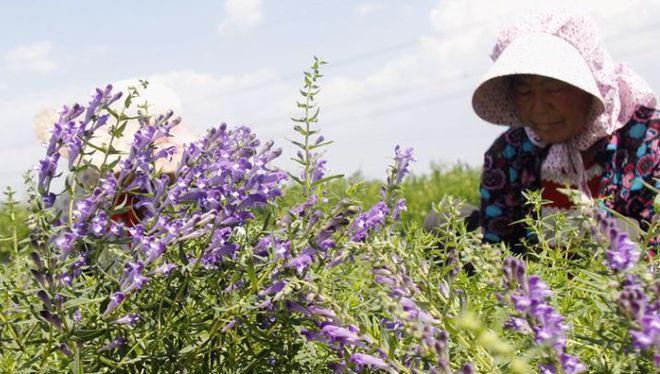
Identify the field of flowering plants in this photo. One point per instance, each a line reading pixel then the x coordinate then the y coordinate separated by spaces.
pixel 231 265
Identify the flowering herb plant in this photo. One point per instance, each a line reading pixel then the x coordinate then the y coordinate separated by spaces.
pixel 230 264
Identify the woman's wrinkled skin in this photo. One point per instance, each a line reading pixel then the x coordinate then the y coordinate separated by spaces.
pixel 555 110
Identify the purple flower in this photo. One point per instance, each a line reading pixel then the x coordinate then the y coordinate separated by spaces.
pixel 99 223
pixel 547 369
pixel 649 334
pixel 302 209
pixel 154 250
pixel 370 220
pixel 323 312
pixel 518 324
pixel 274 289
pixel 41 294
pixel 467 369
pixel 633 301
pixel 399 208
pixel 137 281
pixel 48 199
pixel 129 319
pixel 293 306
pixel 623 253
pixel 116 229
pixel 77 316
pixel 402 161
pixel 65 242
pixel 165 269
pixel 302 261
pixel 115 344
pixel 571 364
pixel 115 300
pixel 528 295
pixel 47 168
pixel 318 170
pixel 54 319
pixel 361 359
pixel 83 209
pixel 336 334
pixel 65 349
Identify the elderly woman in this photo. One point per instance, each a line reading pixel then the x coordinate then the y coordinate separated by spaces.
pixel 576 118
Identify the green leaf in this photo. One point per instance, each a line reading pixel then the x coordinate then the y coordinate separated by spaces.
pixel 296 179
pixel 86 335
pixel 298 144
pixel 326 179
pixel 301 162
pixel 80 301
pixel 315 146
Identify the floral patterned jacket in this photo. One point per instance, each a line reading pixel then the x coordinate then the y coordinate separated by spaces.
pixel 513 164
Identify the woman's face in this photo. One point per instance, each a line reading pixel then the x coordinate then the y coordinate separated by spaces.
pixel 555 110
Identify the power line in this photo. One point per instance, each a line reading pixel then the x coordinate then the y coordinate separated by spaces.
pixel 344 62
pixel 401 46
pixel 437 99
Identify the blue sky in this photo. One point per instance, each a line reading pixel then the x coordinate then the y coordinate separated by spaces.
pixel 400 72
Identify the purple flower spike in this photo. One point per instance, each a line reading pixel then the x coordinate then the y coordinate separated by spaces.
pixel 115 344
pixel 340 335
pixel 274 289
pixel 571 364
pixel 547 369
pixel 623 253
pixel 115 300
pixel 65 349
pixel 37 260
pixel 129 319
pixel 467 369
pixel 65 242
pixel 319 169
pixel 293 306
pixel 399 208
pixel 44 298
pixel 322 312
pixel 361 359
pixel 402 161
pixel 370 220
pixel 165 269
pixel 77 316
pixel 528 295
pixel 301 262
pixel 52 318
pixel 649 334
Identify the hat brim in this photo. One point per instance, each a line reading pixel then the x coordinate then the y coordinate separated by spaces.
pixel 533 54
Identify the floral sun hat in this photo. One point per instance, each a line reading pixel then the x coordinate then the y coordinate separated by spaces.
pixel 159 98
pixel 565 46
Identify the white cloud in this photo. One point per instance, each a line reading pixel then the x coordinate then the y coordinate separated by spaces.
pixel 34 57
pixel 364 9
pixel 260 99
pixel 422 98
pixel 240 15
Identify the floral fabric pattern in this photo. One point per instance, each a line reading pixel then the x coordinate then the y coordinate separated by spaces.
pixel 629 157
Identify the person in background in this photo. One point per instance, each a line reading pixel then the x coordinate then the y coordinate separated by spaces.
pixel 576 118
pixel 159 100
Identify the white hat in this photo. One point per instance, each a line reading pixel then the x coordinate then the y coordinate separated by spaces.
pixel 159 99
pixel 535 54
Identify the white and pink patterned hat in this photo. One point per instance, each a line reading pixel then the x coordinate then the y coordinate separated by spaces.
pixel 534 54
